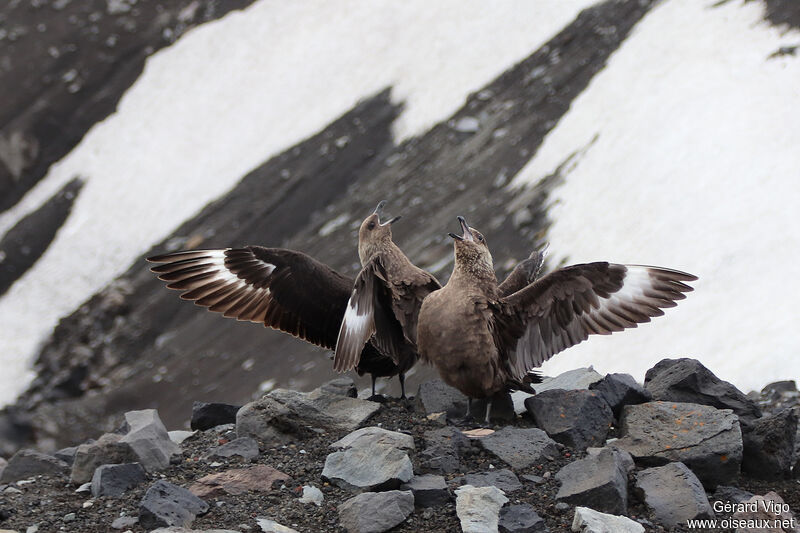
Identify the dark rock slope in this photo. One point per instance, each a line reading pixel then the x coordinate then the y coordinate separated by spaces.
pixel 136 345
pixel 65 64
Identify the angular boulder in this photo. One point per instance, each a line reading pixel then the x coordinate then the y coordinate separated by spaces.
pixel 370 459
pixel 244 447
pixel 108 449
pixel 149 440
pixel 26 463
pixel 285 414
pixel 436 396
pixel 590 521
pixel 619 390
pixel 521 518
pixel 673 493
pixel 504 479
pixel 599 480
pixel 112 481
pixel 706 439
pixel 165 505
pixel 208 415
pixel 769 446
pixel 375 512
pixel 575 418
pixel 429 490
pixel 520 447
pixel 688 381
pixel 257 478
pixel 443 449
pixel 478 508
pixel 577 379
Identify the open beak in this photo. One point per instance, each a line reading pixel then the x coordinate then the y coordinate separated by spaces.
pixel 379 211
pixel 466 234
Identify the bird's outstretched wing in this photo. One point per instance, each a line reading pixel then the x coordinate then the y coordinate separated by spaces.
pixel 283 289
pixel 566 306
pixel 523 274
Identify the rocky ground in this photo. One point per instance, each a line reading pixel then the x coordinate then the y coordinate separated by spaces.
pixel 299 460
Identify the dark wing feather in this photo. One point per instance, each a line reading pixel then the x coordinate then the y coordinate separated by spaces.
pixel 369 313
pixel 523 274
pixel 563 308
pixel 283 289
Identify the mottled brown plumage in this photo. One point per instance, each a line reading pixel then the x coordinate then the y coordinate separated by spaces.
pixel 484 343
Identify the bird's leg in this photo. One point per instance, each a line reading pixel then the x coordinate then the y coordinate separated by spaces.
pixel 402 377
pixel 488 411
pixel 373 384
pixel 375 397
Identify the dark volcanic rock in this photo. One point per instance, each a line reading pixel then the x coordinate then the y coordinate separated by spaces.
pixel 436 396
pixel 429 490
pixel 619 390
pixel 284 414
pixel 769 446
pixel 208 415
pixel 575 418
pixel 27 463
pixel 25 243
pixel 688 381
pixel 673 493
pixel 443 448
pixel 375 512
pixel 520 447
pixel 504 479
pixel 165 504
pixel 521 518
pixel 724 493
pixel 599 481
pixel 705 439
pixel 113 480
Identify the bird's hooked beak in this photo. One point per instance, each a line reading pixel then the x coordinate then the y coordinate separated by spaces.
pixel 379 211
pixel 466 234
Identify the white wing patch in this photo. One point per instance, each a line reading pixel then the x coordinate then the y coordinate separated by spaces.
pixel 357 327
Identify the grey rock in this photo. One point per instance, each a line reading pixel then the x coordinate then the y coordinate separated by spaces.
pixel 673 493
pixel 370 459
pixel 520 447
pixel 599 480
pixel 285 414
pixel 504 479
pixel 429 490
pixel 271 526
pixel 769 446
pixel 66 454
pixel 244 447
pixel 108 449
pixel 113 480
pixel 208 415
pixel 3 464
pixel 443 450
pixel 521 518
pixel 533 478
pixel 619 390
pixel 312 494
pixel 706 439
pixel 125 522
pixel 436 396
pixel 374 512
pixel 776 388
pixel 344 386
pixel 165 505
pixel 178 436
pixel 688 381
pixel 561 506
pixel 26 463
pixel 478 508
pixel 726 493
pixel 575 418
pixel 577 379
pixel 149 440
pixel 590 521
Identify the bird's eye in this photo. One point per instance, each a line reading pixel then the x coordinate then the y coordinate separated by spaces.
pixel 480 238
pixel 371 225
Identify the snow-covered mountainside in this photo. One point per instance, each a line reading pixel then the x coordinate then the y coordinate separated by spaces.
pixel 660 133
